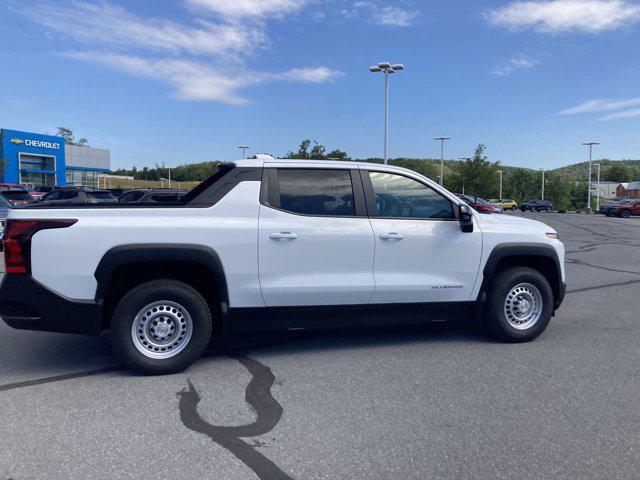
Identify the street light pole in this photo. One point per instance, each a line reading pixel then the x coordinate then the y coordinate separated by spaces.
pixel 500 194
pixel 244 150
pixel 387 69
pixel 598 188
pixel 542 170
pixel 590 144
pixel 442 140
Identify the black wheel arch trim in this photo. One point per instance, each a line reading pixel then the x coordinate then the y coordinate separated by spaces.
pixel 159 252
pixel 506 250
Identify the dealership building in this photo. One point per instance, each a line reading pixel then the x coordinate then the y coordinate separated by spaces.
pixel 33 159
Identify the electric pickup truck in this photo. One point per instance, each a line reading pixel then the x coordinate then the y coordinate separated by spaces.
pixel 271 244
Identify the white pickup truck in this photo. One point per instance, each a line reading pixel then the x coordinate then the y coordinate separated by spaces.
pixel 276 244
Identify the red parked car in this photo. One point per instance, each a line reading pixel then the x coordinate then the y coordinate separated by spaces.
pixel 625 210
pixel 479 205
pixel 17 196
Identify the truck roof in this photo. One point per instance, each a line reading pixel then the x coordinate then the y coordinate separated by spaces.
pixel 297 162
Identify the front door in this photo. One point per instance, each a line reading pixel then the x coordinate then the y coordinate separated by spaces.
pixel 316 244
pixel 422 256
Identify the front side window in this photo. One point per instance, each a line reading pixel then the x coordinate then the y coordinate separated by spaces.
pixel 403 197
pixel 322 192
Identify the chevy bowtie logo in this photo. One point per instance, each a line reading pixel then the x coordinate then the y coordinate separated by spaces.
pixel 17 141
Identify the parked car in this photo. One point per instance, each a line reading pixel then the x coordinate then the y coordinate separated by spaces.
pixel 5 205
pixel 152 195
pixel 40 191
pixel 537 206
pixel 506 204
pixel 18 197
pixel 606 209
pixel 72 195
pixel 277 245
pixel 479 205
pixel 11 186
pixel 625 210
pixel 133 195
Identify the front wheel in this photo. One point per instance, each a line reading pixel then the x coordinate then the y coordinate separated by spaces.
pixel 548 209
pixel 519 305
pixel 513 208
pixel 161 326
pixel 625 214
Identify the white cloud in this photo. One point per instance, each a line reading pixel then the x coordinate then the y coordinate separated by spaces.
pixel 591 106
pixel 556 16
pixel 106 24
pixel 249 8
pixel 622 108
pixel 194 58
pixel 381 14
pixel 520 62
pixel 632 113
pixel 198 81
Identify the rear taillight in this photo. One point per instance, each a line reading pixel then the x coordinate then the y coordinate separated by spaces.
pixel 17 241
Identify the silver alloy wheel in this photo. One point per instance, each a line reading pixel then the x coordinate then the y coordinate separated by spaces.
pixel 523 306
pixel 162 329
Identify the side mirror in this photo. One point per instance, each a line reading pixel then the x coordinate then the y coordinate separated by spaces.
pixel 466 218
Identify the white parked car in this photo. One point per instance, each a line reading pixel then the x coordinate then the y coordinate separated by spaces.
pixel 277 244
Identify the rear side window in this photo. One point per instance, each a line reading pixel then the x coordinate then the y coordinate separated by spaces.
pixel 398 196
pixel 67 194
pixel 100 195
pixel 322 192
pixel 17 195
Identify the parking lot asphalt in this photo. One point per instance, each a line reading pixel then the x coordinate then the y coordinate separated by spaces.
pixel 438 401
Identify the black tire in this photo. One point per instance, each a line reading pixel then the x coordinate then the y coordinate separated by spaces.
pixel 548 209
pixel 494 317
pixel 513 208
pixel 608 214
pixel 158 291
pixel 624 214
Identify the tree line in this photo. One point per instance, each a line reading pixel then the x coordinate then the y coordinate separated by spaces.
pixel 476 175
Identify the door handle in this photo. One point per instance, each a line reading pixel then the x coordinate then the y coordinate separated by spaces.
pixel 391 236
pixel 283 236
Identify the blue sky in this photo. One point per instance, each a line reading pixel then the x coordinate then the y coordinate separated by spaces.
pixel 189 80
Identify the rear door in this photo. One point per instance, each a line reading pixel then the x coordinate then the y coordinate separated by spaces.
pixel 316 244
pixel 422 255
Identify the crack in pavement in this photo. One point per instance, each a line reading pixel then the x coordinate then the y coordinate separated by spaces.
pixel 268 413
pixel 58 378
pixel 586 264
pixel 606 285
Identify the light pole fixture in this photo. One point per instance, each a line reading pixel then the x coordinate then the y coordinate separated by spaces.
pixel 388 69
pixel 542 170
pixel 244 150
pixel 442 140
pixel 500 192
pixel 598 188
pixel 590 144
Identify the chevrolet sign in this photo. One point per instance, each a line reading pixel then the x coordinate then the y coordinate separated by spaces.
pixel 36 143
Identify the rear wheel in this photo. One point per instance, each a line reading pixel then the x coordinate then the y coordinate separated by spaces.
pixel 519 306
pixel 161 326
pixel 625 214
pixel 548 209
pixel 513 208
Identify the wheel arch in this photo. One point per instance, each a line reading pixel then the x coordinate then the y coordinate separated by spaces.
pixel 125 266
pixel 540 257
